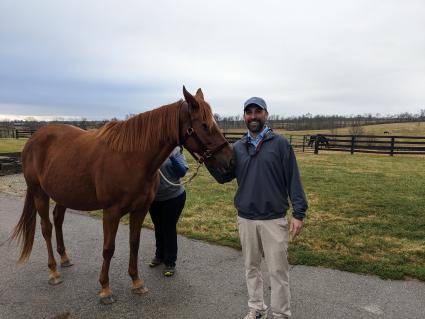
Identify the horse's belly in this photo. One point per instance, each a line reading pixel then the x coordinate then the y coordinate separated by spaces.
pixel 75 191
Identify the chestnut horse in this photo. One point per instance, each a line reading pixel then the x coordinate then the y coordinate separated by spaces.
pixel 114 169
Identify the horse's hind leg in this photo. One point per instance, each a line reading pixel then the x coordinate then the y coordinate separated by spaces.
pixel 41 201
pixel 58 216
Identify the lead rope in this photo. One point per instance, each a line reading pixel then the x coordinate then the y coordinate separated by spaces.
pixel 184 182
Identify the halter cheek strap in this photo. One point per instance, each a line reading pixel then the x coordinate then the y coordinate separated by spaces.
pixel 207 153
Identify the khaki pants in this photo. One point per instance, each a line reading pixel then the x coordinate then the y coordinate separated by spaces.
pixel 268 239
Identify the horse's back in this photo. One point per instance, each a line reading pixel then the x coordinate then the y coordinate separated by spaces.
pixel 55 156
pixel 53 132
pixel 46 139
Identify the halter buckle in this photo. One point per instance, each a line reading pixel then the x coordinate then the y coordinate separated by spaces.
pixel 207 154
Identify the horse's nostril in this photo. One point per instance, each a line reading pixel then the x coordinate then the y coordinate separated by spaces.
pixel 232 162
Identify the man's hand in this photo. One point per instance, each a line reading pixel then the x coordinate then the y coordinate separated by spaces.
pixel 295 228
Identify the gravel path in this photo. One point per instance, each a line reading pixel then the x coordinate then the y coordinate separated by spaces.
pixel 209 282
pixel 13 184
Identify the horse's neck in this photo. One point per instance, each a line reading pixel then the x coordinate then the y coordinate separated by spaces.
pixel 157 155
pixel 147 139
pixel 159 149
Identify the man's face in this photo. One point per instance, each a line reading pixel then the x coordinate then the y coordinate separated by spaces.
pixel 255 118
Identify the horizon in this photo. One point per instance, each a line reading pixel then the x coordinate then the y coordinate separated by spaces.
pixel 46 118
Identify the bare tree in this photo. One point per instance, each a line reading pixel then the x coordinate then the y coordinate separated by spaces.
pixel 356 127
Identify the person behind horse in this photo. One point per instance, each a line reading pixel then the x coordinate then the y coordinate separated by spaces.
pixel 267 174
pixel 165 211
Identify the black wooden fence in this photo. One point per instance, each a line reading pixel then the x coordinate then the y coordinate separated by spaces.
pixel 16 132
pixel 7 132
pixel 24 133
pixel 377 144
pixel 298 142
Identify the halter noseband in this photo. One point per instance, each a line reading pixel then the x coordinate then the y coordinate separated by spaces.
pixel 207 153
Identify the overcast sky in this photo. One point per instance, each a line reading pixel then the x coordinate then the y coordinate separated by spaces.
pixel 103 59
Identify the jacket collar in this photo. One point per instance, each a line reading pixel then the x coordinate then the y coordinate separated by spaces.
pixel 269 135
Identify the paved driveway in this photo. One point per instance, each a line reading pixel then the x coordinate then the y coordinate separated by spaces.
pixel 209 282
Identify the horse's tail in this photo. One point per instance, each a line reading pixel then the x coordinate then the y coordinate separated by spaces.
pixel 25 229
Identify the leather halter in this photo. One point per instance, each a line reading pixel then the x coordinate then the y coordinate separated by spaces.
pixel 190 132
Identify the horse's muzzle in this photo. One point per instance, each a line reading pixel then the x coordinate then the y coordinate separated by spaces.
pixel 222 174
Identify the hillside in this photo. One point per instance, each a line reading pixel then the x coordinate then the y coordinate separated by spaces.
pixel 410 128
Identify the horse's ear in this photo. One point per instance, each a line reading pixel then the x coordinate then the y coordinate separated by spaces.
pixel 190 99
pixel 200 95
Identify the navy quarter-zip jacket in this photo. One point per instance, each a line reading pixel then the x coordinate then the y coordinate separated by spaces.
pixel 267 177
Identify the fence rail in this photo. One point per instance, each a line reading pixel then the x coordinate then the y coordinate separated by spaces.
pixel 298 142
pixel 16 132
pixel 376 144
pixel 379 144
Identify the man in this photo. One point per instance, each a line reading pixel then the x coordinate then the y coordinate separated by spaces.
pixel 267 174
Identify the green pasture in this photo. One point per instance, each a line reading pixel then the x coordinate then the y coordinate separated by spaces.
pixel 367 214
pixel 410 129
pixel 11 145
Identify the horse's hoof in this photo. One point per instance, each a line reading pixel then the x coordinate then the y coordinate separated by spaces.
pixel 140 291
pixel 64 315
pixel 107 300
pixel 67 263
pixel 55 281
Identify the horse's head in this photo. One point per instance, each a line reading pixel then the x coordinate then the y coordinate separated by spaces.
pixel 201 136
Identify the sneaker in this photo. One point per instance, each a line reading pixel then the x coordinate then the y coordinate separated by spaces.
pixel 279 316
pixel 155 262
pixel 169 271
pixel 256 314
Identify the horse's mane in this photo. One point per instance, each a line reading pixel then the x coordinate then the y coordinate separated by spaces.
pixel 151 127
pixel 142 130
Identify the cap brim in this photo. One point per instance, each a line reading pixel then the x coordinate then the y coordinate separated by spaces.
pixel 254 104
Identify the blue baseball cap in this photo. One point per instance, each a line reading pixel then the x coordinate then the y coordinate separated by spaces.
pixel 258 101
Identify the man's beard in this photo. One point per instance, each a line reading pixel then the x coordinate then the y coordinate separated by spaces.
pixel 255 126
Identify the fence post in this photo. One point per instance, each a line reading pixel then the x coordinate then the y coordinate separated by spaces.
pixel 290 139
pixel 353 140
pixel 392 146
pixel 16 134
pixel 303 142
pixel 316 146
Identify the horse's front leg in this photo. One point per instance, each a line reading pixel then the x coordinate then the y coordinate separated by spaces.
pixel 136 222
pixel 111 220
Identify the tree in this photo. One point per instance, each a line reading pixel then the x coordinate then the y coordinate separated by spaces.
pixel 356 127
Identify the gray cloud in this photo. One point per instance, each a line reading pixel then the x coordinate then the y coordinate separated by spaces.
pixel 110 58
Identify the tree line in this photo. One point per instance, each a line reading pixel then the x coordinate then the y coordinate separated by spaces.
pixel 322 122
pixel 291 123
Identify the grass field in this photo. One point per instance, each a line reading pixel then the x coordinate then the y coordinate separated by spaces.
pixel 11 145
pixel 367 213
pixel 412 128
